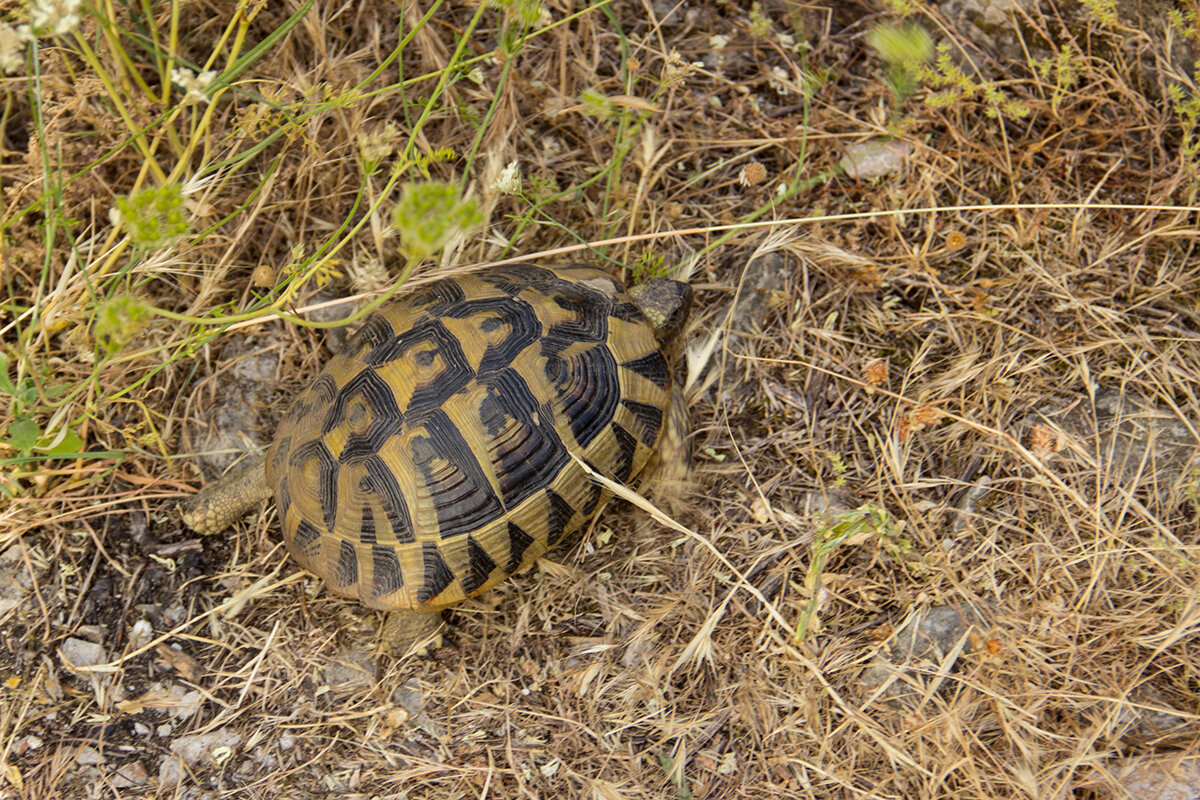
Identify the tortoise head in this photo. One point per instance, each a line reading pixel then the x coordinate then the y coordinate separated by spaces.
pixel 666 303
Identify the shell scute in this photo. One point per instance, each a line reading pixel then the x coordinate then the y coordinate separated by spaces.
pixel 434 456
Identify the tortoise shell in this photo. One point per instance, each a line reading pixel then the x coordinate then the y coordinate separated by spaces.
pixel 437 454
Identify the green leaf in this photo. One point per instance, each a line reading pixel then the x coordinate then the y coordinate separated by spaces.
pixel 682 790
pixel 23 434
pixel 69 444
pixel 6 384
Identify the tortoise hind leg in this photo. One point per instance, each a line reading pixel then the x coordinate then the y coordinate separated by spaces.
pixel 402 629
pixel 666 477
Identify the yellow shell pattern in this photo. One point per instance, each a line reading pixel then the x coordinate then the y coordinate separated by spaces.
pixel 433 457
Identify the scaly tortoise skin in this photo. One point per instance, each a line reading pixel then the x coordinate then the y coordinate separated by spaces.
pixel 436 455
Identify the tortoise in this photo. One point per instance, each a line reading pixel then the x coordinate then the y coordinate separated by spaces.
pixel 449 444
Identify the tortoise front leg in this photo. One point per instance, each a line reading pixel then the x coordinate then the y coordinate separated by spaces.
pixel 218 505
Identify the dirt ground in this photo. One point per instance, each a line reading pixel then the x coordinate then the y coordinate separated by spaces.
pixel 941 538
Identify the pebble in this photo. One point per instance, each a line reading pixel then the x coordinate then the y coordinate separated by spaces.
pixel 131 774
pixel 189 705
pixel 141 633
pixel 88 757
pixel 78 653
pixel 13 576
pixel 1171 776
pixel 188 751
pixel 354 668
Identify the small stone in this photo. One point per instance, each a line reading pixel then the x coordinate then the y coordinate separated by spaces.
pixel 52 687
pixel 131 774
pixel 924 641
pixel 141 729
pixel 408 698
pixel 93 633
pixel 165 730
pixel 78 653
pixel 25 744
pixel 189 751
pixel 875 158
pixel 140 633
pixel 264 757
pixel 1163 777
pixel 354 668
pixel 13 578
pixel 174 615
pixel 1138 439
pixel 287 742
pixel 189 705
pixel 88 774
pixel 1150 717
pixel 170 772
pixel 174 657
pixel 88 757
pixel 192 749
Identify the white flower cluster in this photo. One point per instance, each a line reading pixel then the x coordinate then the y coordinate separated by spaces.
pixel 12 47
pixel 509 181
pixel 195 86
pixel 46 18
pixel 54 17
pixel 780 80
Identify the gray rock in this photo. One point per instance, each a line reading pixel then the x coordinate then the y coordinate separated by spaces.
pixel 920 646
pixel 1167 776
pixel 78 653
pixel 131 774
pixel 233 424
pixel 15 581
pixel 88 756
pixel 353 669
pixel 1134 439
pixel 761 290
pixel 987 25
pixel 876 158
pixel 1149 718
pixel 409 698
pixel 191 751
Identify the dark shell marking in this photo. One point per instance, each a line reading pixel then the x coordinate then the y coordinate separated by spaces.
pixel 433 458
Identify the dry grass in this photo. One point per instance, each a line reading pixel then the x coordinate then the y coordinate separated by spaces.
pixel 940 344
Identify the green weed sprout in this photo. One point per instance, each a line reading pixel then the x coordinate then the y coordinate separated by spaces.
pixel 905 50
pixel 949 85
pixel 429 215
pixel 118 319
pixel 24 435
pixel 154 217
pixel 842 527
pixel 528 12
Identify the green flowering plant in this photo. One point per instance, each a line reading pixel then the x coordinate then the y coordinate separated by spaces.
pixel 430 215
